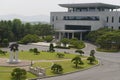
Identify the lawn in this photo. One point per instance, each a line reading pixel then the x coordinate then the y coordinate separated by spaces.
pixel 5 73
pixel 67 68
pixel 26 55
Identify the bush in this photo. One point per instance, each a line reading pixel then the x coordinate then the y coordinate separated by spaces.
pixel 3 52
pixel 29 39
pixel 18 74
pixel 60 55
pixel 35 50
pixel 48 38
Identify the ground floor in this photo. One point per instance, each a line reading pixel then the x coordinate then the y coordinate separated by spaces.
pixel 79 34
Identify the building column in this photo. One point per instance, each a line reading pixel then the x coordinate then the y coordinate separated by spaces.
pixel 81 36
pixel 59 35
pixel 68 36
pixel 73 35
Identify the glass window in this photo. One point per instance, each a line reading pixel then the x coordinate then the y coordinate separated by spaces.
pixel 112 19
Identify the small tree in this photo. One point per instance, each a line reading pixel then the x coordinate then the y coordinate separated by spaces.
pixel 92 53
pixel 91 59
pixel 79 51
pixel 51 48
pixel 36 51
pixel 18 74
pixel 60 55
pixel 77 61
pixel 57 68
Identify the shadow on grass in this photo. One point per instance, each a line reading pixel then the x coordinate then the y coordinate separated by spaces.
pixel 79 67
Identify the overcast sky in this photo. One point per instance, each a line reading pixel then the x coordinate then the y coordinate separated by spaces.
pixel 40 7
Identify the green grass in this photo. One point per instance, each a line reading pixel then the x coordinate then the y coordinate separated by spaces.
pixel 43 64
pixel 70 67
pixel 5 73
pixel 26 55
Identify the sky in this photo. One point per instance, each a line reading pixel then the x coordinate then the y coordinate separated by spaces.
pixel 40 7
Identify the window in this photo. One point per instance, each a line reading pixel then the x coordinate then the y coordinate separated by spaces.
pixel 90 18
pixel 56 18
pixel 119 19
pixel 112 27
pixel 107 19
pixel 119 28
pixel 112 19
pixel 53 18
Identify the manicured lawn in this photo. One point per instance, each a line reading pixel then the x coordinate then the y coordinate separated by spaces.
pixel 43 64
pixel 5 73
pixel 26 55
pixel 70 67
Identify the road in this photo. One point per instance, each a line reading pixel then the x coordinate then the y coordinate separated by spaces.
pixel 109 68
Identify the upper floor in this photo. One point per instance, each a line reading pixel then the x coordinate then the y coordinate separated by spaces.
pixel 90 7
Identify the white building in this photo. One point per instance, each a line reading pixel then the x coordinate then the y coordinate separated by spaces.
pixel 81 18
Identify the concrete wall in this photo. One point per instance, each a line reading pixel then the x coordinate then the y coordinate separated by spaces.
pixel 59 23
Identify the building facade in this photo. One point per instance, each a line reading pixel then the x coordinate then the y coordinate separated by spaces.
pixel 85 17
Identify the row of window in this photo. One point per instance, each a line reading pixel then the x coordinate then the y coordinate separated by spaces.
pixel 107 20
pixel 93 18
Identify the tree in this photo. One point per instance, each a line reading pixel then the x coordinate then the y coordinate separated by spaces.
pixel 5 42
pixel 65 41
pixel 79 51
pixel 57 68
pixel 77 61
pixel 36 51
pixel 91 59
pixel 92 53
pixel 18 74
pixel 29 39
pixel 51 48
pixel 48 38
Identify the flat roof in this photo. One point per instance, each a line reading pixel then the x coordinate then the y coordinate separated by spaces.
pixel 90 5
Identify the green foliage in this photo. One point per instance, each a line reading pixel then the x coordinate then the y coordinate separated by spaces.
pixel 29 39
pixel 15 30
pixel 18 74
pixel 48 38
pixel 60 55
pixel 106 38
pixel 91 59
pixel 51 48
pixel 5 43
pixel 77 61
pixel 94 35
pixel 110 40
pixel 76 43
pixel 3 52
pixel 65 41
pixel 79 51
pixel 35 50
pixel 92 53
pixel 56 68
